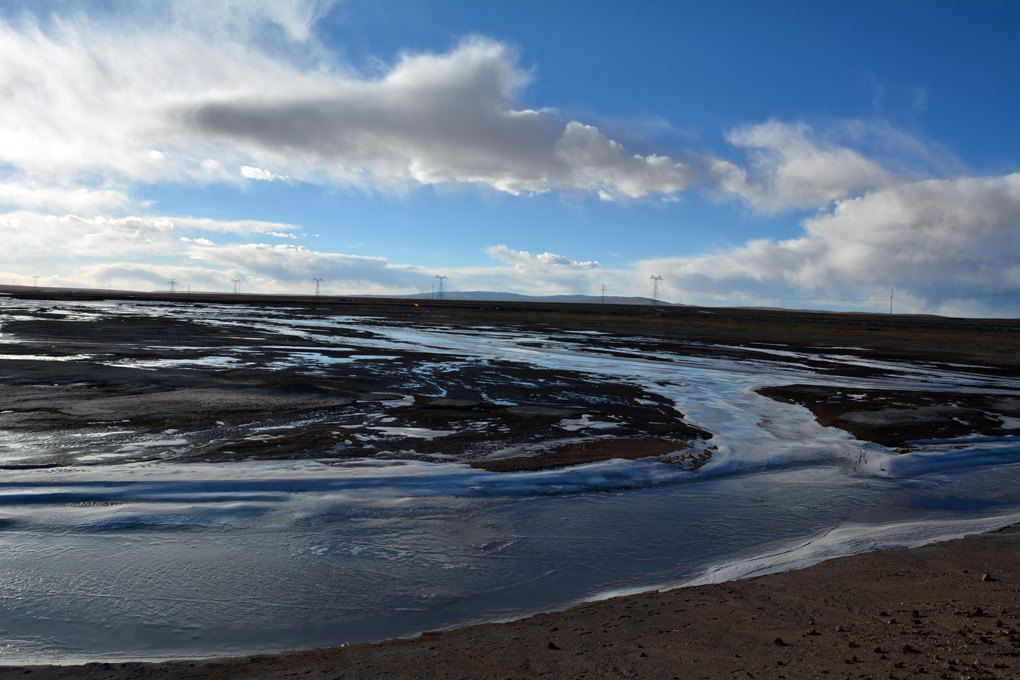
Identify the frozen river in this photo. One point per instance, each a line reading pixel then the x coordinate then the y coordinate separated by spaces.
pixel 116 554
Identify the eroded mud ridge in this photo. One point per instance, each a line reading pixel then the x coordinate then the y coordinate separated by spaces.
pixel 127 384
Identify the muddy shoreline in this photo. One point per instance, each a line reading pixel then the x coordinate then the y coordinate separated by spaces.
pixel 244 391
pixel 943 610
pixel 985 344
pixel 895 418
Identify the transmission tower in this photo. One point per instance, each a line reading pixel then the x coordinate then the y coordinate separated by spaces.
pixel 35 281
pixel 318 282
pixel 655 288
pixel 237 285
pixel 173 285
pixel 890 300
pixel 603 293
pixel 439 281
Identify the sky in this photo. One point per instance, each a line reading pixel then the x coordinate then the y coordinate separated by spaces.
pixel 796 154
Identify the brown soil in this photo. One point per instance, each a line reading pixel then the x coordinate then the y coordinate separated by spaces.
pixel 895 417
pixel 589 451
pixel 949 610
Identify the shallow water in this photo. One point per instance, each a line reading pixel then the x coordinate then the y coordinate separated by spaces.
pixel 156 559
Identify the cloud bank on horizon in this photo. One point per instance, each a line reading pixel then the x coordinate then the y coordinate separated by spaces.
pixel 236 94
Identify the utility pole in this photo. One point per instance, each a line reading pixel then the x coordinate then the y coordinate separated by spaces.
pixel 237 285
pixel 439 280
pixel 318 282
pixel 890 300
pixel 655 288
pixel 173 285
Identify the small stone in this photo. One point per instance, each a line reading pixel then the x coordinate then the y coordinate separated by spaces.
pixel 553 645
pixel 909 649
pixel 778 642
pixel 840 629
pixel 985 578
pixel 812 632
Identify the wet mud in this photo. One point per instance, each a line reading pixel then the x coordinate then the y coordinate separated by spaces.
pixel 895 418
pixel 203 391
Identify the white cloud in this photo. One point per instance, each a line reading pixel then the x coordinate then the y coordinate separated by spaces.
pixel 792 168
pixel 275 266
pixel 198 92
pixel 936 241
pixel 432 119
pixel 31 238
pixel 260 174
pixel 79 199
pixel 113 97
pixel 524 260
pixel 87 97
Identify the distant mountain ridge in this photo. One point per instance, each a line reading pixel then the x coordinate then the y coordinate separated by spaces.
pixel 497 296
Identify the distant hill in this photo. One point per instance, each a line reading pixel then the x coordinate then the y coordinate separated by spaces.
pixel 497 296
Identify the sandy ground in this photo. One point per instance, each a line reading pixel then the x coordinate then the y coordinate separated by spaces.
pixel 948 610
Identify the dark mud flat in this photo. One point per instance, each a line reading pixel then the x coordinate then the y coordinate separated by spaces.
pixel 988 345
pixel 948 610
pixel 896 417
pixel 211 391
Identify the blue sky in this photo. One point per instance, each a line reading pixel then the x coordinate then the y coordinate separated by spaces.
pixel 818 151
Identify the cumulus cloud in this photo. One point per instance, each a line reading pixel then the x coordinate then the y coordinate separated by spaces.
pixel 116 99
pixel 438 118
pixel 791 167
pixel 522 259
pixel 937 242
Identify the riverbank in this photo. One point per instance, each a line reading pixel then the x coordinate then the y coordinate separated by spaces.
pixel 948 609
